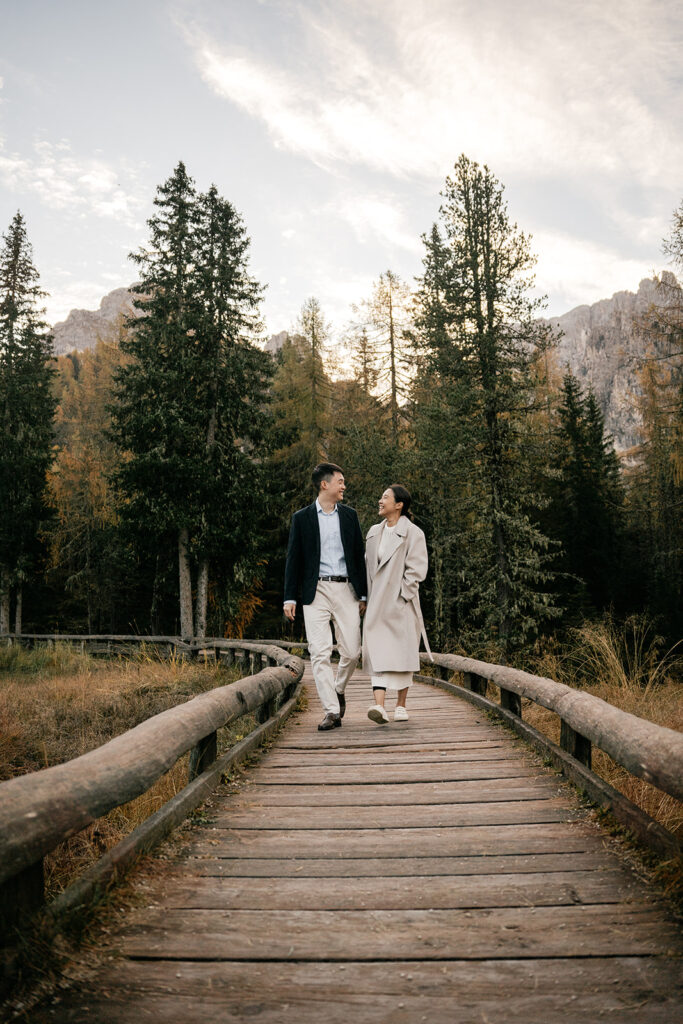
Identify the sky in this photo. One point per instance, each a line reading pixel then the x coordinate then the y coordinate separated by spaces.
pixel 331 126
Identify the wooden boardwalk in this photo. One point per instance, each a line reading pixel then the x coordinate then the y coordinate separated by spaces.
pixel 432 871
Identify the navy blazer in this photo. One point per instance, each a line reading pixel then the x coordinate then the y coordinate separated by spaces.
pixel 303 553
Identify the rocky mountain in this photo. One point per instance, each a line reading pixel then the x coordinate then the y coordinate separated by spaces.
pixel 84 327
pixel 601 344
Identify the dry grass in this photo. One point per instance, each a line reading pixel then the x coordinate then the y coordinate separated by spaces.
pixel 625 665
pixel 58 704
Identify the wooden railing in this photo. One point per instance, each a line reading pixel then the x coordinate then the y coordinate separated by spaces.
pixel 650 752
pixel 41 810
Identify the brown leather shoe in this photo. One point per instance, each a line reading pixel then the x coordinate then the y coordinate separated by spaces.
pixel 342 704
pixel 330 721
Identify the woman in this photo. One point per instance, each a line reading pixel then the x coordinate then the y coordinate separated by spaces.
pixel 396 562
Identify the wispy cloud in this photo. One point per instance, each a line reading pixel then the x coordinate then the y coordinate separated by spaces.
pixel 66 181
pixel 403 88
pixel 376 219
pixel 577 271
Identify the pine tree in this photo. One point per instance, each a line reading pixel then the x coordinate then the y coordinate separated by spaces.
pixel 385 322
pixel 480 334
pixel 26 414
pixel 587 510
pixel 190 406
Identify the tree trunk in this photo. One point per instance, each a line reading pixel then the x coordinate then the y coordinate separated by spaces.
pixel 154 610
pixel 18 609
pixel 202 598
pixel 4 600
pixel 185 579
pixel 394 383
pixel 203 578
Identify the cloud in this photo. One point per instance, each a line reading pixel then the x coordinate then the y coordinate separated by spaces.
pixel 578 272
pixel 379 221
pixel 402 88
pixel 64 181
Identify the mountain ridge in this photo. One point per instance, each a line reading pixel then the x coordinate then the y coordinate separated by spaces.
pixel 600 343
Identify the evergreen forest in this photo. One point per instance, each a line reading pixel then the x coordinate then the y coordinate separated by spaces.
pixel 146 485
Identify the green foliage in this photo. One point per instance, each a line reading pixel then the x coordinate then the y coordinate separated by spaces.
pixel 479 335
pixel 587 507
pixel 189 416
pixel 26 412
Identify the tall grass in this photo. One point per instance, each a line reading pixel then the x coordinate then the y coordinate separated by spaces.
pixel 56 704
pixel 627 665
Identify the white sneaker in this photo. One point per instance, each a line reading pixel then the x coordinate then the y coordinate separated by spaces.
pixel 377 714
pixel 400 715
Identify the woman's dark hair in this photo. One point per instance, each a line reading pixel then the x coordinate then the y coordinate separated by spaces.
pixel 402 493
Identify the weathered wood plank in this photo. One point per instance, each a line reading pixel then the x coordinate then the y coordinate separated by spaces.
pixel 411 842
pixel 382 892
pixel 651 752
pixel 422 793
pixel 510 769
pixel 567 931
pixel 581 991
pixel 551 809
pixel 209 860
pixel 334 758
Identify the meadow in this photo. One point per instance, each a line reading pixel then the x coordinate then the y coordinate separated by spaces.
pixel 58 704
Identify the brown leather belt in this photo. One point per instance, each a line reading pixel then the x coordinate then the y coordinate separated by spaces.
pixel 334 579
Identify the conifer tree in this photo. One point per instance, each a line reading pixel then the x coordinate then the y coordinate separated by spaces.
pixel 385 321
pixel 479 333
pixel 190 406
pixel 26 414
pixel 587 510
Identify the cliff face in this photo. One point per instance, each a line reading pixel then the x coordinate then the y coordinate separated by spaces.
pixel 602 345
pixel 84 327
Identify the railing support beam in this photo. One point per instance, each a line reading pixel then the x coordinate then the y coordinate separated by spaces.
pixel 203 755
pixel 575 744
pixel 511 701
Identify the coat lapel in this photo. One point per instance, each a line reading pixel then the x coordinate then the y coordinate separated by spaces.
pixel 394 542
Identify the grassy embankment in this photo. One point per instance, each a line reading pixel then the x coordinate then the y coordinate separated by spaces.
pixel 57 704
pixel 625 666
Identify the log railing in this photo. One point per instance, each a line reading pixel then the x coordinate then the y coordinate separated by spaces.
pixel 650 752
pixel 40 810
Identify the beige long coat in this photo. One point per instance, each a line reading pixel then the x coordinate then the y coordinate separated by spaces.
pixel 393 620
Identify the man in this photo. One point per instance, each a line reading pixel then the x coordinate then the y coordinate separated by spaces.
pixel 326 561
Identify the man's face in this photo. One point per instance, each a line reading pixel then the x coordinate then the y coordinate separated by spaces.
pixel 334 488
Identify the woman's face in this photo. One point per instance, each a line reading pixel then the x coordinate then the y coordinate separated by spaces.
pixel 388 506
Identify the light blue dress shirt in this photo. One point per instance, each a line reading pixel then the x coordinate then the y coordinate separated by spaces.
pixel 332 560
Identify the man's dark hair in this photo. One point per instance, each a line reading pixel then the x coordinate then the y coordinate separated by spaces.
pixel 324 471
pixel 402 493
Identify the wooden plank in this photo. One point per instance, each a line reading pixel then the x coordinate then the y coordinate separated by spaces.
pixel 385 893
pixel 422 793
pixel 334 758
pixel 217 863
pixel 651 752
pixel 567 931
pixel 401 817
pixel 536 991
pixel 410 842
pixel 512 769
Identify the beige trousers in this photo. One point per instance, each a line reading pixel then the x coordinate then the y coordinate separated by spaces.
pixel 334 602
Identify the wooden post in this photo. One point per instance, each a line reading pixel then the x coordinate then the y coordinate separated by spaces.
pixel 444 672
pixel 511 701
pixel 243 659
pixel 575 744
pixel 266 711
pixel 228 656
pixel 475 683
pixel 202 756
pixel 20 897
pixel 254 663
